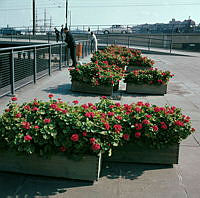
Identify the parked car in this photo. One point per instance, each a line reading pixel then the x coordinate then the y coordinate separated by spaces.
pixel 117 29
pixel 10 31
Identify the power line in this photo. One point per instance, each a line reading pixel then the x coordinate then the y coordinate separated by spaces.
pixel 103 6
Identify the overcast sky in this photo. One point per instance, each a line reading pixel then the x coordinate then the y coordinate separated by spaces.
pixel 19 12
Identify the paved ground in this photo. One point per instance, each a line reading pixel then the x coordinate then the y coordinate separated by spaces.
pixel 123 180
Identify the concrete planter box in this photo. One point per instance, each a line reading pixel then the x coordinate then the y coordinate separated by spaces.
pixel 88 168
pixel 142 154
pixel 86 88
pixel 132 68
pixel 145 88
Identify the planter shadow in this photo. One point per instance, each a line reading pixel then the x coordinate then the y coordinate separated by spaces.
pixel 19 185
pixel 131 171
pixel 65 89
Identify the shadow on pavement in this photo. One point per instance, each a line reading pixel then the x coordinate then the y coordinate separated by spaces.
pixel 26 186
pixel 128 170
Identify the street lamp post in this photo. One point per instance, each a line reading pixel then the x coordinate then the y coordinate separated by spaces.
pixel 33 17
pixel 66 12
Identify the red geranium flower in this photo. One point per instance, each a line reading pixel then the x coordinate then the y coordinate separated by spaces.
pixel 107 126
pixel 138 126
pixel 148 116
pixel 75 137
pixel 137 134
pixel 75 102
pixel 92 140
pixel 117 104
pixel 26 125
pixel 50 95
pixel 14 99
pixel 47 120
pixel 27 107
pixel 126 136
pixel 96 147
pixel 117 128
pixel 111 113
pixel 85 106
pixel 155 128
pixel 119 117
pixel 27 137
pixel 18 115
pixel 179 123
pixel 137 109
pixel 146 121
pixel 53 106
pixel 63 149
pixel 84 133
pixel 103 97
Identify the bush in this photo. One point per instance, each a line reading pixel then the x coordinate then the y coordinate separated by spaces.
pixel 46 128
pixel 151 77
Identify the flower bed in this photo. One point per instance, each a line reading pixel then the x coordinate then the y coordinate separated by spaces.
pixel 151 81
pixel 96 77
pixel 138 62
pixel 122 56
pixel 48 130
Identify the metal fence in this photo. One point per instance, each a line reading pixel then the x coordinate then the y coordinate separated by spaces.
pixel 20 66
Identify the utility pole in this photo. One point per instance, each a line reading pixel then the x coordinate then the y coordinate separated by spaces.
pixel 66 12
pixel 45 19
pixel 33 17
pixel 70 18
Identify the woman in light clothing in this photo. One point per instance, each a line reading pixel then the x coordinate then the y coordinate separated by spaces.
pixel 94 41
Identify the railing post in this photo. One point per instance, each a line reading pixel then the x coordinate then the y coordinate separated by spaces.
pixel 86 50
pixel 171 43
pixel 83 49
pixel 49 69
pixel 67 53
pixel 35 65
pixel 128 41
pixel 48 37
pixel 149 42
pixel 107 40
pixel 12 73
pixel 60 64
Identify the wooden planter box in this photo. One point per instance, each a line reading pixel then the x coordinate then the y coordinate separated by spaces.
pixel 145 88
pixel 143 154
pixel 132 68
pixel 88 168
pixel 86 88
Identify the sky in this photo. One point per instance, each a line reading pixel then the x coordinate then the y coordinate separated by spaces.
pixel 18 13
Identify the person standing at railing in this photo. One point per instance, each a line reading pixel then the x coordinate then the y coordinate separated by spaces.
pixel 69 39
pixel 94 41
pixel 57 34
pixel 62 33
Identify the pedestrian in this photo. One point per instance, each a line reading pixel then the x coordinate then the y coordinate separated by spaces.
pixel 57 34
pixel 62 33
pixel 69 39
pixel 94 41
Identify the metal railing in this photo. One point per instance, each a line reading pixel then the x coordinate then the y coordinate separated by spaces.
pixel 20 66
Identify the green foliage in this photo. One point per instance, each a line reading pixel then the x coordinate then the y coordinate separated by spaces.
pixel 151 77
pixel 46 128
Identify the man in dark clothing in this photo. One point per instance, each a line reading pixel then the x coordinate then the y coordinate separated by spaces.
pixel 61 32
pixel 69 39
pixel 57 34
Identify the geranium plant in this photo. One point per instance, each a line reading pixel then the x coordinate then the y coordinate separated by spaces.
pixel 97 73
pixel 151 77
pixel 143 123
pixel 47 128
